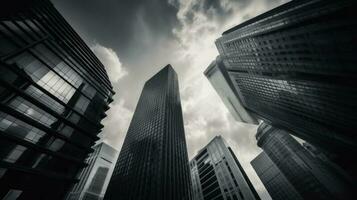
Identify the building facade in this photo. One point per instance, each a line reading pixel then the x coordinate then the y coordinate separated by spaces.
pixel 310 177
pixel 294 66
pixel 277 185
pixel 217 174
pixel 94 179
pixel 53 94
pixel 153 162
pixel 218 76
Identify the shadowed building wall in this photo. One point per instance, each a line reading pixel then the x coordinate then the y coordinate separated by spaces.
pixel 309 176
pixel 273 179
pixel 53 94
pixel 295 67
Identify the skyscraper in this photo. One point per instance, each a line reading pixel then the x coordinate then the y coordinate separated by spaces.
pixel 153 162
pixel 310 177
pixel 295 67
pixel 53 95
pixel 217 74
pixel 217 174
pixel 277 185
pixel 94 179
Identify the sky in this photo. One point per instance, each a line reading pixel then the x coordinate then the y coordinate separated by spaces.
pixel 134 39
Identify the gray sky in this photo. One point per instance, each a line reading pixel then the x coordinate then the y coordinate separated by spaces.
pixel 136 38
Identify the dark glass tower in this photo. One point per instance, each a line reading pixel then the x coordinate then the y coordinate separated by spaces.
pixel 310 177
pixel 153 162
pixel 53 95
pixel 217 174
pixel 295 67
pixel 278 186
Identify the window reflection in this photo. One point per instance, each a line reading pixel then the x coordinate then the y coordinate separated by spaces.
pixel 57 86
pixel 19 128
pixel 56 145
pixel 45 99
pixel 2 172
pixel 32 111
pixel 45 77
pixel 82 104
pixel 15 154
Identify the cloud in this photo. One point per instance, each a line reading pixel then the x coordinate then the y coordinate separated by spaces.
pixel 116 124
pixel 111 62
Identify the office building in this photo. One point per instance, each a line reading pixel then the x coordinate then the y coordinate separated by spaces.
pixel 53 95
pixel 153 162
pixel 295 67
pixel 217 174
pixel 277 185
pixel 94 179
pixel 310 177
pixel 218 76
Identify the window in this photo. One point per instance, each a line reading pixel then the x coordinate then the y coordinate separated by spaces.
pixel 15 154
pixel 2 172
pixel 12 195
pixel 19 129
pixel 32 111
pixel 57 86
pixel 45 99
pixel 56 145
pixel 45 77
pixel 82 104
pixel 89 91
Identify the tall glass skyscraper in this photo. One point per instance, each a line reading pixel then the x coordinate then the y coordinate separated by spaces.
pixel 153 162
pixel 217 174
pixel 278 186
pixel 310 177
pixel 94 179
pixel 295 67
pixel 53 95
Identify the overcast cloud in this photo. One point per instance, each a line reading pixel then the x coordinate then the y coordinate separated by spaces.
pixel 135 38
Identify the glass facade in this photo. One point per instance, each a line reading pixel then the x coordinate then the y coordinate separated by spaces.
pixel 310 177
pixel 273 179
pixel 153 162
pixel 217 174
pixel 294 66
pixel 217 74
pixel 94 179
pixel 53 95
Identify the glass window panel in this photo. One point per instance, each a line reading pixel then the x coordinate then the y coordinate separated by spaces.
pixel 40 96
pixel 56 145
pixel 2 172
pixel 38 160
pixel 12 195
pixel 4 124
pixel 43 76
pixel 82 104
pixel 19 128
pixel 89 91
pixel 73 117
pixel 15 154
pixel 32 111
pixel 66 130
